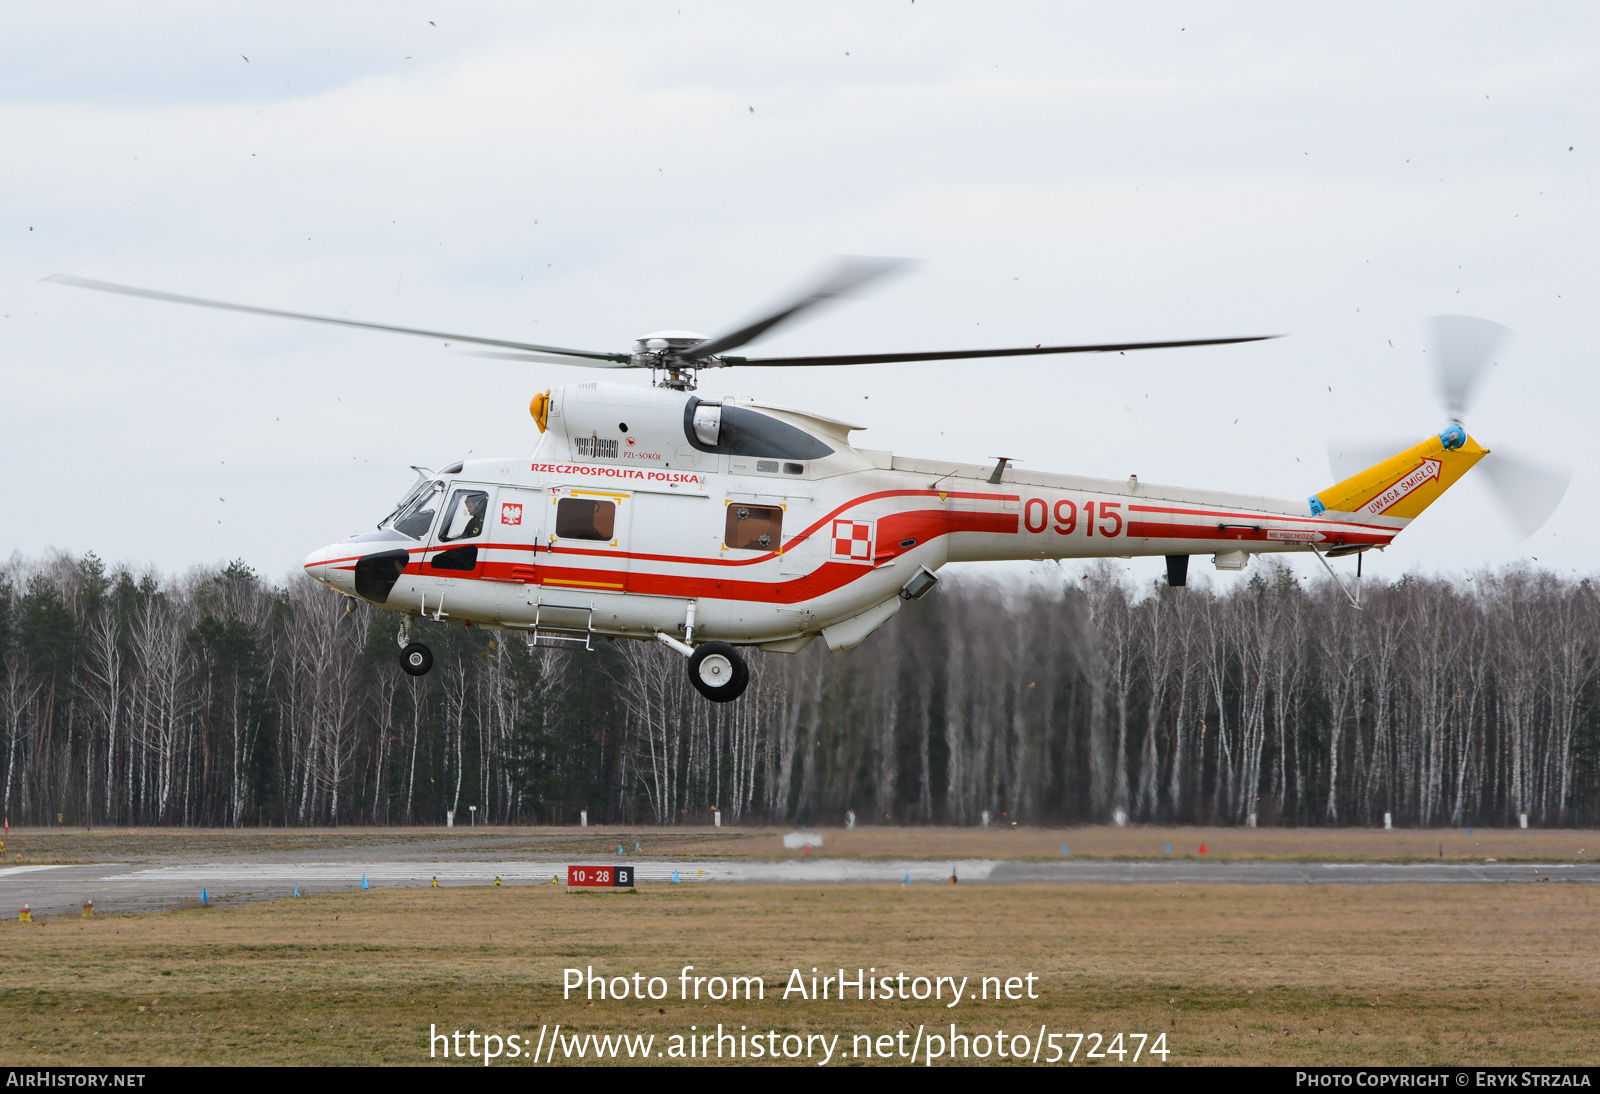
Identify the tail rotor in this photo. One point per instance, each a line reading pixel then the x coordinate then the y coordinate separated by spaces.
pixel 1526 490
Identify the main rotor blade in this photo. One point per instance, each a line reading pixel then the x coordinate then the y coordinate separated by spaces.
pixel 851 273
pixel 966 354
pixel 551 359
pixel 248 309
pixel 1528 491
pixel 1463 345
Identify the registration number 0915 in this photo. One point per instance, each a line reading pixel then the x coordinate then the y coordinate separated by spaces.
pixel 1104 517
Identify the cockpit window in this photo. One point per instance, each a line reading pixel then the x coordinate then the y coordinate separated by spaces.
pixel 416 513
pixel 464 518
pixel 416 491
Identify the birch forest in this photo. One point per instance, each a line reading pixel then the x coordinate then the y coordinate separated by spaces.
pixel 222 699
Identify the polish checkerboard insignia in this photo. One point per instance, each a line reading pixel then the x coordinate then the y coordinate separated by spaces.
pixel 852 540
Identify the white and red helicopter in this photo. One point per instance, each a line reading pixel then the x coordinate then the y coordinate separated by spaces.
pixel 710 525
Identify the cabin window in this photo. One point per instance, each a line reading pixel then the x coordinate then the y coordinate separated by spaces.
pixel 794 469
pixel 464 518
pixel 767 467
pixel 581 518
pixel 417 517
pixel 753 527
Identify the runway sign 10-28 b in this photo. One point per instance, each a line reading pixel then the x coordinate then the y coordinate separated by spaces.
pixel 608 877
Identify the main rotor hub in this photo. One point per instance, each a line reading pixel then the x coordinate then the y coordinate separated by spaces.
pixel 659 352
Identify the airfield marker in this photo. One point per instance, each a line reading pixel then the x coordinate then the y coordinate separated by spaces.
pixel 26 915
pixel 364 884
pixel 436 882
pixel 297 890
pixel 1064 850
pixel 1202 848
pixel 204 898
pixel 620 851
pixel 497 881
pixel 1169 848
pixel 907 879
pixel 88 909
pixel 675 877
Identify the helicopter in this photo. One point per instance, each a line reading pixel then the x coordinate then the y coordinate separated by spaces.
pixel 715 525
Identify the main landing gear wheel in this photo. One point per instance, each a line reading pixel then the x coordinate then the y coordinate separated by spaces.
pixel 718 672
pixel 416 659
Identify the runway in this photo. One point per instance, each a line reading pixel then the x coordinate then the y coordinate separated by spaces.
pixel 53 890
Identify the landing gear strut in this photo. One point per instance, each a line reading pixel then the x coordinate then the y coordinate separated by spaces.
pixel 415 658
pixel 718 672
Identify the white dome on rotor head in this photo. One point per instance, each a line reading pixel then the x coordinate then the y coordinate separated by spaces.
pixel 668 339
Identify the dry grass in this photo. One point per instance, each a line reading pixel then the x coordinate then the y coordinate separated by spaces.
pixel 1490 974
pixel 69 845
pixel 1331 844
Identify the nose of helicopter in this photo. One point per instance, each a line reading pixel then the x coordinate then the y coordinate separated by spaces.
pixel 323 565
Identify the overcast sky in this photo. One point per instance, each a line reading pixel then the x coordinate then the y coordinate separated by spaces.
pixel 582 174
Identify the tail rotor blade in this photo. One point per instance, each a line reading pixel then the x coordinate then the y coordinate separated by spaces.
pixel 1350 457
pixel 1526 490
pixel 1463 346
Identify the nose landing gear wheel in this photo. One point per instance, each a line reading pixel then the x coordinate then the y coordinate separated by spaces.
pixel 416 659
pixel 718 672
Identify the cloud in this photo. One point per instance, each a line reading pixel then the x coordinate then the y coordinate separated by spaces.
pixel 579 176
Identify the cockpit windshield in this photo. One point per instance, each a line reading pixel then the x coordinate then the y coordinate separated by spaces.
pixel 411 496
pixel 415 515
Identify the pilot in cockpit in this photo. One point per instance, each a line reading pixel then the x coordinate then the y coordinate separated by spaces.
pixel 467 520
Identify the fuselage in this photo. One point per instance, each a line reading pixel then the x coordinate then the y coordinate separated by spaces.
pixel 647 511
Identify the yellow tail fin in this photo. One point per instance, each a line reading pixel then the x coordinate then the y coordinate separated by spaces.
pixel 1406 484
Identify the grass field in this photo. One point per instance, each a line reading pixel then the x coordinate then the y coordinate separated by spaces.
pixel 1333 974
pixel 76 845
